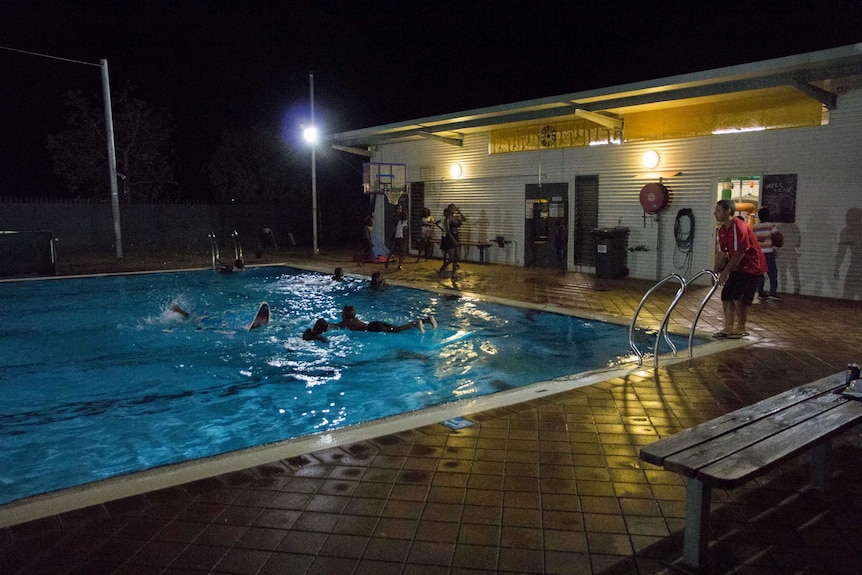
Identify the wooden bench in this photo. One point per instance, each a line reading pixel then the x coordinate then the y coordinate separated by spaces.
pixel 733 449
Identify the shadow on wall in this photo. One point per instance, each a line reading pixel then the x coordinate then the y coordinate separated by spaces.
pixel 818 277
pixel 850 242
pixel 788 256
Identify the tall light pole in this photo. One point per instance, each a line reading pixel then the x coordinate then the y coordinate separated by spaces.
pixel 112 159
pixel 109 127
pixel 310 134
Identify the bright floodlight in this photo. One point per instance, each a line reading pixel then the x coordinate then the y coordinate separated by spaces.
pixel 310 134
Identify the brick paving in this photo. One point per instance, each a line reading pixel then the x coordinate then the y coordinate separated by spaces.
pixel 549 486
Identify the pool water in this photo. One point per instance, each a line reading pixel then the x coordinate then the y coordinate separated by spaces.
pixel 100 378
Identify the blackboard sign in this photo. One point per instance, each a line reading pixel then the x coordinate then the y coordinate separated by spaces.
pixel 779 195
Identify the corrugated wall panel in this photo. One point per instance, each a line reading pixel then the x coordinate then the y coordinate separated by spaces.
pixel 490 192
pixel 827 160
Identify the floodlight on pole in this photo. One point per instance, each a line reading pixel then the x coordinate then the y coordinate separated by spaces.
pixel 310 135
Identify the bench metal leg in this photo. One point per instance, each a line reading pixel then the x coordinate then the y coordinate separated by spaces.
pixel 821 456
pixel 696 544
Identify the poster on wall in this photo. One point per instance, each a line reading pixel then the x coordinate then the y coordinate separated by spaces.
pixel 779 195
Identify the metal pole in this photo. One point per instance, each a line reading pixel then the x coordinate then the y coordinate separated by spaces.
pixel 313 172
pixel 112 159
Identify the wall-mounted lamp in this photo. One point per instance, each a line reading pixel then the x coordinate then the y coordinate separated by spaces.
pixel 650 159
pixel 455 171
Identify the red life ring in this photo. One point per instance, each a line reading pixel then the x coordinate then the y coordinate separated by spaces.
pixel 654 198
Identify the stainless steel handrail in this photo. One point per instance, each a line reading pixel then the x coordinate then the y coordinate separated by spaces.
pixel 214 248
pixel 714 277
pixel 664 321
pixel 662 330
pixel 237 249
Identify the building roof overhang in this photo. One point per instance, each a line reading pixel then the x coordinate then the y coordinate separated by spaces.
pixel 816 74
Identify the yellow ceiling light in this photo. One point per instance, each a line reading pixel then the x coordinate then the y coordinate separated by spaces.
pixel 650 159
pixel 455 171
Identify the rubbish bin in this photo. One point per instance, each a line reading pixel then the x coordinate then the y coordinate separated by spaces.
pixel 611 252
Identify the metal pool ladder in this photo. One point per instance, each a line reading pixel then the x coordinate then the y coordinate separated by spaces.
pixel 662 331
pixel 214 247
pixel 237 250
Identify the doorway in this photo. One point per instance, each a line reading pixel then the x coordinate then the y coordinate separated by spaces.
pixel 586 220
pixel 544 206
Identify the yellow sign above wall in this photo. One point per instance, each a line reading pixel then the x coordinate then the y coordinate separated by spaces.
pixel 563 134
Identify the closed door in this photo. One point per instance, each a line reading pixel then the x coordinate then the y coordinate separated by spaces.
pixel 586 219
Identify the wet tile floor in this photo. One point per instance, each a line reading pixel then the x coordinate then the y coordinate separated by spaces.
pixel 549 486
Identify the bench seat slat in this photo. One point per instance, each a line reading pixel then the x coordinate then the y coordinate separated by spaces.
pixel 657 452
pixel 689 461
pixel 737 469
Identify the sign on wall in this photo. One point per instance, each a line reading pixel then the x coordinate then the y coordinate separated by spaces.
pixel 779 195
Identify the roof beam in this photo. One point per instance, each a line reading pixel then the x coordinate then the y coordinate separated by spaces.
pixel 353 150
pixel 602 120
pixel 717 88
pixel 825 97
pixel 459 141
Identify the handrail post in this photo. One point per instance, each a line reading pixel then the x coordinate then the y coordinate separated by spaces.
pixel 214 249
pixel 714 277
pixel 663 328
pixel 638 310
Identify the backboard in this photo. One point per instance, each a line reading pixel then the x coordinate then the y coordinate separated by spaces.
pixel 381 178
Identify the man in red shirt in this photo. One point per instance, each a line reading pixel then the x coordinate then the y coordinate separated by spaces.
pixel 740 262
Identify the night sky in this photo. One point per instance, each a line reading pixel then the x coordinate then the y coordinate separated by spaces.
pixel 217 64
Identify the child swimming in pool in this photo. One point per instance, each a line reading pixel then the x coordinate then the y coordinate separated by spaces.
pixel 353 323
pixel 378 282
pixel 261 318
pixel 316 333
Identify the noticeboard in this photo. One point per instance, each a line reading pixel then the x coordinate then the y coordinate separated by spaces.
pixel 779 195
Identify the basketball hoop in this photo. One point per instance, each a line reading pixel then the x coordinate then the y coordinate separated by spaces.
pixel 393 196
pixel 387 179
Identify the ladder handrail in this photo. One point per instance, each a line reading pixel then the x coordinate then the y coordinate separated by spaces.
pixel 237 249
pixel 640 306
pixel 214 248
pixel 666 319
pixel 714 277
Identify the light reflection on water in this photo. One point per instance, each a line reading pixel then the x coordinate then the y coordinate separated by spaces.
pixel 100 378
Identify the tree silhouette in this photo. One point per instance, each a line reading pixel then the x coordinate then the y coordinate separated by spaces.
pixel 142 140
pixel 254 166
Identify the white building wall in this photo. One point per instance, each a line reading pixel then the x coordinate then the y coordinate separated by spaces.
pixel 826 159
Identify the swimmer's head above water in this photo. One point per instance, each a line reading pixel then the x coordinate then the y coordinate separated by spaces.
pixel 314 333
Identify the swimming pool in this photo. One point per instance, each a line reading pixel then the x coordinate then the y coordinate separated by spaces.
pixel 101 379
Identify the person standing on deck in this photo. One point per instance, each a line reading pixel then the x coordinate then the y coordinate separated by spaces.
pixel 740 263
pixel 764 231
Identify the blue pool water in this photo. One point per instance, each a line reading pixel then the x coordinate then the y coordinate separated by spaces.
pixel 101 379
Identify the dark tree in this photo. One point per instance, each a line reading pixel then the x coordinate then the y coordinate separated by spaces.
pixel 142 140
pixel 255 166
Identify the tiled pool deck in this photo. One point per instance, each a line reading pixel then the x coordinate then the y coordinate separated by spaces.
pixel 549 486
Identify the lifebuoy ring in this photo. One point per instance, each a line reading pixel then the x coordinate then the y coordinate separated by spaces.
pixel 654 198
